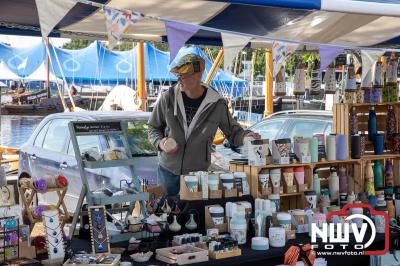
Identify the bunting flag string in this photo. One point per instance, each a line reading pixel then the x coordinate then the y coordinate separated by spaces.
pixel 369 59
pixel 233 44
pixel 280 50
pixel 178 34
pixel 117 23
pixel 252 36
pixel 327 55
pixel 51 12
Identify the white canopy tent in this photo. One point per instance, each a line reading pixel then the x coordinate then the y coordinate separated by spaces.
pixel 40 74
pixel 6 73
pixel 121 97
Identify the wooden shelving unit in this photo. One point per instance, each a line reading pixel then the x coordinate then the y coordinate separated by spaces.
pixel 28 193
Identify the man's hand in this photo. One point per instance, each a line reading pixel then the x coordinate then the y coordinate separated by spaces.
pixel 167 150
pixel 253 134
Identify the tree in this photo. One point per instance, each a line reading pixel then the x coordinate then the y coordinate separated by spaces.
pixel 76 44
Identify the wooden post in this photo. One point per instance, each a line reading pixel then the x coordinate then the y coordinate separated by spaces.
pixel 141 78
pixel 214 67
pixel 269 103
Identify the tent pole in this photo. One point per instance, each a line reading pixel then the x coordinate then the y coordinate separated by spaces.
pixel 58 86
pixel 47 83
pixel 214 67
pixel 63 78
pixel 141 79
pixel 268 83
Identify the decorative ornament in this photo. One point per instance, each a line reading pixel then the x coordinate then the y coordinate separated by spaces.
pixel 280 83
pixel 315 79
pixel 299 80
pixel 330 80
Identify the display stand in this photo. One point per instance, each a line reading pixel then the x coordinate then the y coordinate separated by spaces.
pixel 341 125
pixel 9 226
pixel 28 192
pixel 131 195
pixel 296 200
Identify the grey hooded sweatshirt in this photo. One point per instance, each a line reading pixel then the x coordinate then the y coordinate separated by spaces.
pixel 168 119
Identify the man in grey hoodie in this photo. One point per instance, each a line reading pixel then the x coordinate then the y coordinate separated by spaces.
pixel 189 113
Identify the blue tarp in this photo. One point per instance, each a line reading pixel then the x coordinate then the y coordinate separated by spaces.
pixel 97 65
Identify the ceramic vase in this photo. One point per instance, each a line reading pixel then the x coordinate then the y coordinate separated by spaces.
pixel 191 224
pixel 175 226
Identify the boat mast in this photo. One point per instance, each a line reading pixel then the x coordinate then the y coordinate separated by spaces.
pixel 47 82
pixel 58 85
pixel 214 67
pixel 269 103
pixel 141 77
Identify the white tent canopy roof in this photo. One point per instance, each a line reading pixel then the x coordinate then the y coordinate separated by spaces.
pixel 6 73
pixel 40 74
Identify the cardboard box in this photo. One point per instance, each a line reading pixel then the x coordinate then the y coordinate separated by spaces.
pixel 289 189
pixel 187 255
pixel 209 223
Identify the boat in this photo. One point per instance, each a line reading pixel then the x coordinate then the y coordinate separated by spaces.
pixel 44 106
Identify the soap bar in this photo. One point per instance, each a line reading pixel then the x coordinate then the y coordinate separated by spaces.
pixel 170 144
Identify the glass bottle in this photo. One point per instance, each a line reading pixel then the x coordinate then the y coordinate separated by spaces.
pixel 390 122
pixel 334 185
pixel 378 176
pixel 372 123
pixel 369 177
pixel 353 122
pixel 317 184
pixel 389 173
pixel 343 180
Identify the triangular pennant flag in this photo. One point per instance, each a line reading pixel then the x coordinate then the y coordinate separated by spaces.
pixel 280 50
pixel 233 44
pixel 327 54
pixel 369 58
pixel 117 23
pixel 51 12
pixel 178 34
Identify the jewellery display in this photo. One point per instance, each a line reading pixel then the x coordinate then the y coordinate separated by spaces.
pixel 98 229
pixel 55 245
pixel 9 238
pixel 7 196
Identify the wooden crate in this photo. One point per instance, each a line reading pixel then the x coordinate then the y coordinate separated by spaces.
pixel 341 121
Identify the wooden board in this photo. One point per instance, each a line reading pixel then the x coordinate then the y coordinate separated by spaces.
pixel 98 230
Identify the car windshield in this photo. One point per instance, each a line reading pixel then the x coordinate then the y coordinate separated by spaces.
pixel 137 134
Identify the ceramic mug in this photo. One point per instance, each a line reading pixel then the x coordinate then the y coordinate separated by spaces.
pixel 192 182
pixel 213 184
pixel 284 220
pixel 275 198
pixel 299 216
pixel 227 180
pixel 217 214
pixel 311 197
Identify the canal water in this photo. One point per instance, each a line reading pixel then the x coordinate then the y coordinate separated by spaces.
pixel 16 129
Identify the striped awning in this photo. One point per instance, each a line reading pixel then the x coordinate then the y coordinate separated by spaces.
pixel 357 23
